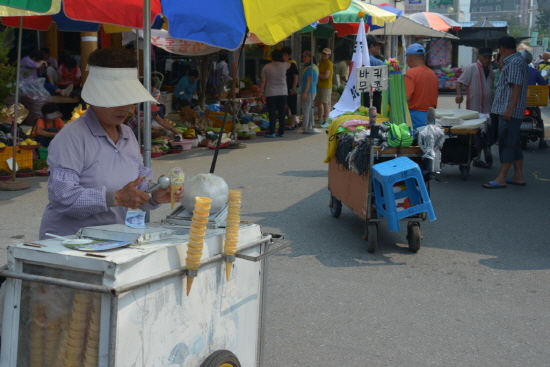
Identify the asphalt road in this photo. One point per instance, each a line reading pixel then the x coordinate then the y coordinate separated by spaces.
pixel 472 296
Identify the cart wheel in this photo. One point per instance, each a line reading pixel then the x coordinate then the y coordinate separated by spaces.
pixel 221 358
pixel 413 236
pixel 335 207
pixel 372 237
pixel 523 143
pixel 464 172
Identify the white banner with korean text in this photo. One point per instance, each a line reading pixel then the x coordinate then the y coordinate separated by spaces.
pixel 350 100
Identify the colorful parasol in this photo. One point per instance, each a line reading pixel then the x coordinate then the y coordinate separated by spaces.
pixel 436 21
pixel 128 13
pixel 223 23
pixel 43 22
pixel 387 7
pixel 346 22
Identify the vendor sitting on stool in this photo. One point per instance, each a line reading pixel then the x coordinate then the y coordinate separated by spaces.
pixel 185 90
pixel 47 127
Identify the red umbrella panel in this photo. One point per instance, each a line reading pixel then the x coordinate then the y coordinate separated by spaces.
pixel 436 21
pixel 127 13
pixel 343 29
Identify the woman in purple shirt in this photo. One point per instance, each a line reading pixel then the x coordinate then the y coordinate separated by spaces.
pixel 96 169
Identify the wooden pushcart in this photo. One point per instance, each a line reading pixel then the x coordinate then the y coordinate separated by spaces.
pixel 356 192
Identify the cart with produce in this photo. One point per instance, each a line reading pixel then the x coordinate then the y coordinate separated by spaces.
pixel 350 175
pixel 119 295
pixel 464 130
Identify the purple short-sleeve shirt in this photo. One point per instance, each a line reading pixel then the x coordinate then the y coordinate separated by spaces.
pixel 84 164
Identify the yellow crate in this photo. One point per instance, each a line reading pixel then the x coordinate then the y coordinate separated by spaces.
pixel 537 95
pixel 24 158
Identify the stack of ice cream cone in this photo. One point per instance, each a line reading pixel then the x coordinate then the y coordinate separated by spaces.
pixel 232 229
pixel 51 340
pixel 176 180
pixel 91 352
pixel 36 334
pixel 76 332
pixel 196 237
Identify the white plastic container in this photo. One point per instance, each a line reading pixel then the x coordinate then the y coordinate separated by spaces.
pixel 186 144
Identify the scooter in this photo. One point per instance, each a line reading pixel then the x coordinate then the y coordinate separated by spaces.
pixel 531 127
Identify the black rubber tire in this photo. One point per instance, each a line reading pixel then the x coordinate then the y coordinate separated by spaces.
pixel 372 237
pixel 335 207
pixel 221 358
pixel 464 172
pixel 414 236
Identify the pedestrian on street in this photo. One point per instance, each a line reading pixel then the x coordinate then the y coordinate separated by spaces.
pixel 324 87
pixel 421 85
pixel 292 85
pixel 535 78
pixel 310 75
pixel 222 75
pixel 509 104
pixel 375 49
pixel 544 65
pixel 273 87
pixel 341 72
pixel 477 79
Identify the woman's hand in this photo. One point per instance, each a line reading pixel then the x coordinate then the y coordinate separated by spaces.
pixel 130 196
pixel 304 97
pixel 164 196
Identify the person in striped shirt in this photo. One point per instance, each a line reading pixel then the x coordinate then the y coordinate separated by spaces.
pixel 509 105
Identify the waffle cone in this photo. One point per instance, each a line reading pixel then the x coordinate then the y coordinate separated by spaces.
pixel 232 230
pixel 228 268
pixel 189 284
pixel 173 189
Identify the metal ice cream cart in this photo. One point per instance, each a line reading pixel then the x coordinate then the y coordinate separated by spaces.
pixel 128 307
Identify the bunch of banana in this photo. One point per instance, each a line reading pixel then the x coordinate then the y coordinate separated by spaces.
pixel 77 112
pixel 189 133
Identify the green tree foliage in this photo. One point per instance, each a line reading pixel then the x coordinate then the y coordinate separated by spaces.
pixel 7 72
pixel 543 23
pixel 515 28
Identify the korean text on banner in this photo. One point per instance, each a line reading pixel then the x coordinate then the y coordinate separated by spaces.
pixel 372 76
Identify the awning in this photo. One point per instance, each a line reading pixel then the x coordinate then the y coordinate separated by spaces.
pixel 405 26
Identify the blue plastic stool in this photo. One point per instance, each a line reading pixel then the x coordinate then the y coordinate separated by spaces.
pixel 385 175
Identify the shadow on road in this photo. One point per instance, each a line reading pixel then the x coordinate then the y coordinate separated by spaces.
pixel 507 227
pixel 36 184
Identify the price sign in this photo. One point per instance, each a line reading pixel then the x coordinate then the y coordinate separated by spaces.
pixel 372 76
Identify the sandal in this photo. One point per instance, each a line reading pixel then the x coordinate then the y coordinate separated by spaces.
pixel 493 185
pixel 480 164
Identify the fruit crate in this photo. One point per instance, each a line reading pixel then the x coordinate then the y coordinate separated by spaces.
pixel 24 158
pixel 537 95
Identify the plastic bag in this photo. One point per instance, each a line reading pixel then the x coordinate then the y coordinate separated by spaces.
pixel 206 185
pixel 34 96
pixel 399 135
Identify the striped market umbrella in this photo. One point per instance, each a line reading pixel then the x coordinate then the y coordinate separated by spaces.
pixel 436 21
pixel 346 22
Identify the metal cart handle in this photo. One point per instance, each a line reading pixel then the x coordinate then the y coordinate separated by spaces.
pixel 281 245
